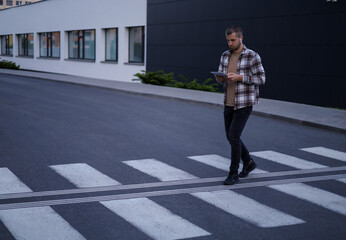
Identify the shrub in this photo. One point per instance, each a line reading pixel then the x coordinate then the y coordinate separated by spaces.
pixel 155 78
pixel 195 85
pixel 167 79
pixel 8 65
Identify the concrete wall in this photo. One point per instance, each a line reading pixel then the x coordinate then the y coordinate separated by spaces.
pixel 302 43
pixel 69 15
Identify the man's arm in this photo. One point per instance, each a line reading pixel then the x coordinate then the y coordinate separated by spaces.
pixel 257 70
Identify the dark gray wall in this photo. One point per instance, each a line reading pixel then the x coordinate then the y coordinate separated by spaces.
pixel 302 43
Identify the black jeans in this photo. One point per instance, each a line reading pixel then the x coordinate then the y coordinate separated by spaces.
pixel 235 121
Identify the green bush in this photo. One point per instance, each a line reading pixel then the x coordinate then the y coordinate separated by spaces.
pixel 155 78
pixel 8 65
pixel 167 79
pixel 195 85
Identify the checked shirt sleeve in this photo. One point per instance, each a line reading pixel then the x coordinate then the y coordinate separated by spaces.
pixel 257 75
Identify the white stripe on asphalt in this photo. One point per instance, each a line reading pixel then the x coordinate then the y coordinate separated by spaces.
pixel 220 162
pixel 326 152
pixel 32 223
pixel 154 220
pixel 38 223
pixel 317 196
pixel 248 209
pixel 9 183
pixel 287 160
pixel 160 170
pixel 343 180
pixel 83 175
pixel 149 217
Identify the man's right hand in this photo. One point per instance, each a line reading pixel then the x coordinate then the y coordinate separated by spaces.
pixel 220 79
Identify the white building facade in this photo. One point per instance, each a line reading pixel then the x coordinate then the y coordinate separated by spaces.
pixel 93 38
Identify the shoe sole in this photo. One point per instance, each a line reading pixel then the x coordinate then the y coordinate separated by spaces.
pixel 250 170
pixel 224 183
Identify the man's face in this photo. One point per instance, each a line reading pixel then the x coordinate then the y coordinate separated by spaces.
pixel 234 42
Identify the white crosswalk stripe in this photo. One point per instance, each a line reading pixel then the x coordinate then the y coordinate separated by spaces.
pixel 9 183
pixel 32 223
pixel 83 175
pixel 248 209
pixel 160 170
pixel 153 219
pixel 326 152
pixel 219 162
pixel 343 180
pixel 317 196
pixel 143 213
pixel 259 213
pixel 287 160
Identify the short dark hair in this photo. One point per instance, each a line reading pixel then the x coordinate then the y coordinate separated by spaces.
pixel 234 29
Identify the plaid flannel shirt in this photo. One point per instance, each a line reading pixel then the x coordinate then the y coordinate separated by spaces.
pixel 250 67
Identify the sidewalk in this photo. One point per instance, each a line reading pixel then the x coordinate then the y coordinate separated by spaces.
pixel 326 118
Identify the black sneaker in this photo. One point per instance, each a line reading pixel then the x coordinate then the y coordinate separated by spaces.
pixel 231 179
pixel 247 168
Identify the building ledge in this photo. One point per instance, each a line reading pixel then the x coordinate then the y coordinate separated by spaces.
pixel 110 62
pixel 80 60
pixel 49 58
pixel 134 63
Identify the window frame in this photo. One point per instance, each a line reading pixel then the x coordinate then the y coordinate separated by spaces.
pixel 7 45
pixel 50 43
pixel 26 45
pixel 143 43
pixel 81 45
pixel 116 45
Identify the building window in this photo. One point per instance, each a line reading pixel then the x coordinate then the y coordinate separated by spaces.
pixel 9 3
pixel 111 44
pixel 1 2
pixel 50 44
pixel 19 3
pixel 136 44
pixel 81 44
pixel 26 44
pixel 7 45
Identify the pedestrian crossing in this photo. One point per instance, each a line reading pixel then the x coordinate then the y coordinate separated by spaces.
pixel 158 222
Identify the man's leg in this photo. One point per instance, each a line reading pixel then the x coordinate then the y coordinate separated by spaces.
pixel 238 148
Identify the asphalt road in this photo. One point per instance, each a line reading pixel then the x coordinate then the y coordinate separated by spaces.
pixel 48 127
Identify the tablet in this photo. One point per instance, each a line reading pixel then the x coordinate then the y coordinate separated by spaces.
pixel 221 74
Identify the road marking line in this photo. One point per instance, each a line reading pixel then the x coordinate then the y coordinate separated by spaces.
pixel 164 184
pixel 9 183
pixel 219 162
pixel 82 175
pixel 154 220
pixel 248 209
pixel 317 196
pixel 38 223
pixel 154 168
pixel 287 160
pixel 32 223
pixel 140 213
pixel 166 192
pixel 160 170
pixel 343 180
pixel 326 152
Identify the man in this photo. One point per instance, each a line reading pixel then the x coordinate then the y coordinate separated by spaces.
pixel 244 75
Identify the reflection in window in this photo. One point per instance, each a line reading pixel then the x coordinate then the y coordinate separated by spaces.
pixel 50 44
pixel 111 44
pixel 81 44
pixel 26 44
pixel 136 44
pixel 7 45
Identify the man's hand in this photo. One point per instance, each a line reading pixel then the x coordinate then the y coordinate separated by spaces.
pixel 234 77
pixel 220 79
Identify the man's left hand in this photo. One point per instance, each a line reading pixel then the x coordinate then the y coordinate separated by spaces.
pixel 234 77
